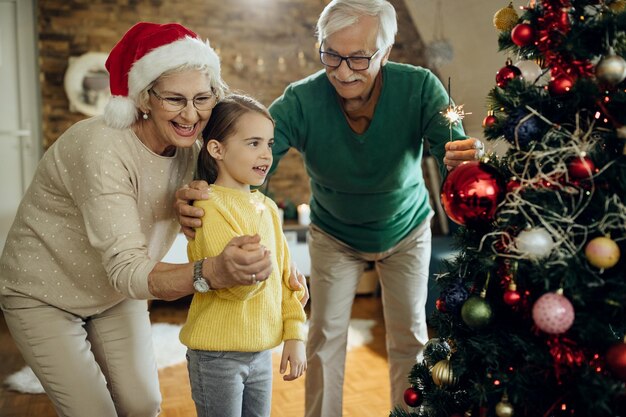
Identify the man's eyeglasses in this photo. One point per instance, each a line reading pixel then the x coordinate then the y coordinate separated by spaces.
pixel 355 63
pixel 177 103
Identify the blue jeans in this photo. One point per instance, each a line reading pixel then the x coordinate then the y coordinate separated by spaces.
pixel 231 384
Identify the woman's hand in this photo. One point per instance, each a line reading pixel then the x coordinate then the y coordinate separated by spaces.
pixel 244 261
pixel 459 151
pixel 189 216
pixel 297 281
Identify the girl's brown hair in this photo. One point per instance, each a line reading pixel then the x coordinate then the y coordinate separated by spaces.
pixel 221 125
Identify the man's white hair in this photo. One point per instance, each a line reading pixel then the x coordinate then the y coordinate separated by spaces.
pixel 339 14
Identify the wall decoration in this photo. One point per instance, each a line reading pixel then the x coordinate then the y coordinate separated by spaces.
pixel 86 83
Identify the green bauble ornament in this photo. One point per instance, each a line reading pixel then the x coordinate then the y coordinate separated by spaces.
pixel 476 312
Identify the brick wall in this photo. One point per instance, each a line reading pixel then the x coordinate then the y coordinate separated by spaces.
pixel 263 45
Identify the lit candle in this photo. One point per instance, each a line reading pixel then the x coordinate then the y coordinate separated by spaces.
pixel 304 214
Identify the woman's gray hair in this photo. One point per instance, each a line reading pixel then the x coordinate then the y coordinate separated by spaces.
pixel 339 14
pixel 219 87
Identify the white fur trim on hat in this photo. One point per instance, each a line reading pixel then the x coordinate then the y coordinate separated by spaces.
pixel 186 51
pixel 120 112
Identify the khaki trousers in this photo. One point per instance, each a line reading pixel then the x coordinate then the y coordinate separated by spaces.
pixel 103 366
pixel 335 272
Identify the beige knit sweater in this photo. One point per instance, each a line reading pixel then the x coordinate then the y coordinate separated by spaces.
pixel 96 218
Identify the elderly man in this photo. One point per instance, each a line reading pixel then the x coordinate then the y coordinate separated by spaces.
pixel 360 126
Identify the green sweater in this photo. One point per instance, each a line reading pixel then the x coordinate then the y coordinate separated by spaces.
pixel 367 190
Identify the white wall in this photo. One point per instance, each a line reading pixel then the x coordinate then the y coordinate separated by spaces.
pixel 468 25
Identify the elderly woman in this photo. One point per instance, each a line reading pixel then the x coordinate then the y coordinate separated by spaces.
pixel 83 253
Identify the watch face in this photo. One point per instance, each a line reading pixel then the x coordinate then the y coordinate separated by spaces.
pixel 201 285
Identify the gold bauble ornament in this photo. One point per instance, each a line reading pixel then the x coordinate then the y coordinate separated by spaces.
pixel 505 18
pixel 618 6
pixel 504 407
pixel 602 252
pixel 442 374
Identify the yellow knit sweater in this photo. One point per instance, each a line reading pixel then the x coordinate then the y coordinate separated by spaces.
pixel 247 318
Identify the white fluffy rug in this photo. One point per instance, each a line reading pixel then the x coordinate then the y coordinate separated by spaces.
pixel 169 351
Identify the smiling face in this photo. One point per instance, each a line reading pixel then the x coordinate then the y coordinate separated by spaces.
pixel 166 130
pixel 358 39
pixel 245 157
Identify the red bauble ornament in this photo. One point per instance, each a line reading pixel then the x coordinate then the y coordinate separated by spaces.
pixel 440 305
pixel 489 120
pixel 506 74
pixel 560 85
pixel 581 168
pixel 523 34
pixel 513 185
pixel 471 193
pixel 553 313
pixel 511 297
pixel 412 398
pixel 616 360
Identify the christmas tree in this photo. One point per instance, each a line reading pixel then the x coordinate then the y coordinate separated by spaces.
pixel 530 320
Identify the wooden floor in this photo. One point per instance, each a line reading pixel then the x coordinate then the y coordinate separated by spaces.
pixel 366 392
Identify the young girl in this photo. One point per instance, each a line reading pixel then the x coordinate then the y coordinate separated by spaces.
pixel 230 332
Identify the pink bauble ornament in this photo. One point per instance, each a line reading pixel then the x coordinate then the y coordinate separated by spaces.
pixel 471 193
pixel 553 313
pixel 602 252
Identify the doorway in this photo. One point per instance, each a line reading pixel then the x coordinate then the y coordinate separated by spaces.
pixel 20 115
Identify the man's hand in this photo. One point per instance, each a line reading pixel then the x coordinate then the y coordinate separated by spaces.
pixel 297 281
pixel 188 215
pixel 459 151
pixel 244 261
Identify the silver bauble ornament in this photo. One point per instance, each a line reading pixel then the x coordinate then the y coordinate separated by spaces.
pixel 611 69
pixel 535 243
pixel 531 71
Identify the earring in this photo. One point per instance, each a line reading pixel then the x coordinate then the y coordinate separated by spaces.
pixel 145 116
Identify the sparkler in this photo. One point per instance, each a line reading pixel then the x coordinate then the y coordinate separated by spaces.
pixel 453 113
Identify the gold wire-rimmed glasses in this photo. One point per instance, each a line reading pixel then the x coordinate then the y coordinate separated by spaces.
pixel 201 102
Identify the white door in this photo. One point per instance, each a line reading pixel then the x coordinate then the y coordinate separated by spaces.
pixel 20 137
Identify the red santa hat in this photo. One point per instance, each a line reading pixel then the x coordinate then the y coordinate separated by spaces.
pixel 145 52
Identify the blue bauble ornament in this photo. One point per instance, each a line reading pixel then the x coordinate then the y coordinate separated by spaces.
pixel 454 296
pixel 528 129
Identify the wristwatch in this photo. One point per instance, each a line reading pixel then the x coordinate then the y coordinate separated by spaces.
pixel 199 283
